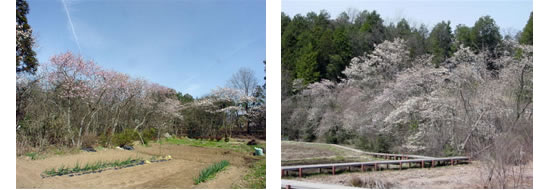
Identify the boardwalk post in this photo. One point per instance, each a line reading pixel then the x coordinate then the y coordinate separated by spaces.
pixel 375 167
pixel 333 170
pixel 400 165
pixel 283 173
pixel 452 162
pixel 300 172
pixel 433 163
pixel 422 163
pixel 388 166
pixel 409 165
pixel 362 168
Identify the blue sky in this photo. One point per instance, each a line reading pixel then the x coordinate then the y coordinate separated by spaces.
pixel 189 45
pixel 510 15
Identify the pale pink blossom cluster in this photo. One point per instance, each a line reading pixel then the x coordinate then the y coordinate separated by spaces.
pixel 77 78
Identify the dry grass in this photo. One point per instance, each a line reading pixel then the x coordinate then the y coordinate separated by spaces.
pixel 295 153
pixel 458 177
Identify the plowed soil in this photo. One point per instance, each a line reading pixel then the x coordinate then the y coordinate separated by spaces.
pixel 177 173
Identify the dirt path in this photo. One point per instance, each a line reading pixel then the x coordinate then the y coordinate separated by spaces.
pixel 177 173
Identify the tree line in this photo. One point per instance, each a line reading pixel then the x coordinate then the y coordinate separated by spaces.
pixel 315 47
pixel 74 102
pixel 396 88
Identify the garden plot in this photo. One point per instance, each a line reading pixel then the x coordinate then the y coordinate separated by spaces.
pixel 299 153
pixel 186 164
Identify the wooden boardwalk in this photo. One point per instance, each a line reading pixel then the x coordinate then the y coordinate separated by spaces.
pixel 292 184
pixel 395 159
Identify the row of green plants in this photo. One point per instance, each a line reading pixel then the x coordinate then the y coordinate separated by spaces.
pixel 99 165
pixel 239 147
pixel 210 171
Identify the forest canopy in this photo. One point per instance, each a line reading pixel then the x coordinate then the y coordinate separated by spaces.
pixel 393 87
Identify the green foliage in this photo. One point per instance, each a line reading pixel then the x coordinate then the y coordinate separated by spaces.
pixel 25 56
pixel 485 34
pixel 255 179
pixel 210 172
pixel 149 134
pixel 185 98
pixel 448 150
pixel 76 168
pixel 126 137
pixel 463 35
pixel 403 29
pixel 306 65
pixel 440 42
pixel 378 143
pixel 337 135
pixel 95 166
pixel 103 140
pixel 527 33
pixel 32 155
pixel 413 125
pixel 239 147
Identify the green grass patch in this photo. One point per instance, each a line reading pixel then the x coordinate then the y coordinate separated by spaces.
pixel 255 178
pixel 210 171
pixel 32 155
pixel 235 146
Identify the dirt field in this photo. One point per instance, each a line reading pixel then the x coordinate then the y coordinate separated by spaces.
pixel 177 173
pixel 295 153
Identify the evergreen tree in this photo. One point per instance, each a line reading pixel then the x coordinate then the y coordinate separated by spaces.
pixel 485 34
pixel 527 33
pixel 440 42
pixel 306 65
pixel 25 56
pixel 464 35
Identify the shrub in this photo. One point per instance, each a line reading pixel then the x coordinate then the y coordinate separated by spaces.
pixel 356 181
pixel 32 155
pixel 103 140
pixel 337 135
pixel 448 150
pixel 375 143
pixel 126 137
pixel 149 134
pixel 89 140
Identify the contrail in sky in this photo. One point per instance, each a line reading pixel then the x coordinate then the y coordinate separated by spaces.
pixel 72 26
